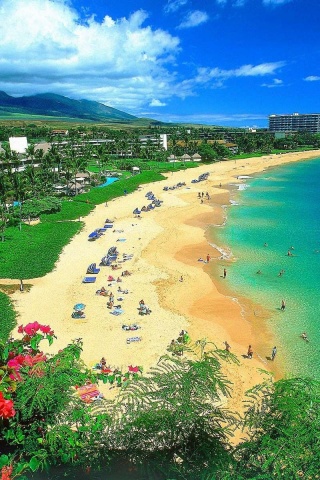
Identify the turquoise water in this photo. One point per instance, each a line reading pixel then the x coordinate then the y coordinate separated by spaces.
pixel 109 181
pixel 281 207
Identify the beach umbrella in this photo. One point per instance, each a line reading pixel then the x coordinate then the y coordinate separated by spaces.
pixel 79 307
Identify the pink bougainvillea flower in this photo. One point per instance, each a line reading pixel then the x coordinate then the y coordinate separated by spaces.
pixel 45 329
pixel 6 407
pixel 133 369
pixel 20 329
pixel 32 328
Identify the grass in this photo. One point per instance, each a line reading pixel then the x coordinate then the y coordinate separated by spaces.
pixel 70 210
pixel 7 317
pixel 33 251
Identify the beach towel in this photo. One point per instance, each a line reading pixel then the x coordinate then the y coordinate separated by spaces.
pixel 88 393
pixel 117 311
pixel 133 339
pixel 121 239
pixel 89 279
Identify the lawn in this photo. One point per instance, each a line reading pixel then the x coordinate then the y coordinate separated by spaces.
pixel 7 317
pixel 33 251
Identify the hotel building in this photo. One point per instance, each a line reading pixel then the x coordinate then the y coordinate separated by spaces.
pixel 295 122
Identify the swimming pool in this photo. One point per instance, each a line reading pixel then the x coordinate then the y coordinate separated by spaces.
pixel 109 181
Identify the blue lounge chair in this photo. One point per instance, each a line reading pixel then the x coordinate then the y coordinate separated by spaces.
pixel 92 269
pixel 108 225
pixel 89 279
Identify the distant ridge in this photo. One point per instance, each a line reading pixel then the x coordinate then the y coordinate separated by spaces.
pixel 51 104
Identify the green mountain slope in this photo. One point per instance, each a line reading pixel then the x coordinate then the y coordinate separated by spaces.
pixel 51 104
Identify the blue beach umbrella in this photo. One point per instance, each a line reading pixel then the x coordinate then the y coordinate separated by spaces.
pixel 79 307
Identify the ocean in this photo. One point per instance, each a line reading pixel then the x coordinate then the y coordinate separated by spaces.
pixel 276 212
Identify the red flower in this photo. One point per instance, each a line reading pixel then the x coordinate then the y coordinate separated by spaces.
pixel 20 329
pixel 6 407
pixel 6 472
pixel 133 369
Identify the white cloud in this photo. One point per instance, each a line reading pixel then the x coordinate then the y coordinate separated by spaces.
pixel 156 103
pixel 312 78
pixel 174 5
pixel 193 19
pixel 276 82
pixel 46 46
pixel 206 75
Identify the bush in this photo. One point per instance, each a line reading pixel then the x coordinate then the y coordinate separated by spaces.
pixel 33 208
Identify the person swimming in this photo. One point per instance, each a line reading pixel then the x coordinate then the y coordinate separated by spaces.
pixel 304 336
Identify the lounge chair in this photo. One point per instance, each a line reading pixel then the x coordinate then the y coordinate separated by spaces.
pixel 89 279
pixel 121 239
pixel 93 269
pixel 78 315
pixel 133 339
pixel 134 326
pixel 93 236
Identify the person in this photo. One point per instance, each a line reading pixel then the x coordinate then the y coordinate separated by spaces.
pixel 224 273
pixel 227 346
pixel 250 352
pixel 283 305
pixel 281 273
pixel 201 201
pixel 208 258
pixel 304 336
pixel 273 353
pixel 103 362
pixel 220 185
pixel 199 195
pixel 181 279
pixel 259 272
pixel 289 253
pixel 265 244
pixel 21 286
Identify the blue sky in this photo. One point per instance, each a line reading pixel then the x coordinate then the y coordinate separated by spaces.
pixel 218 62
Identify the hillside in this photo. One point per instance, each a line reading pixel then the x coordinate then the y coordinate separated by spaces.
pixel 53 105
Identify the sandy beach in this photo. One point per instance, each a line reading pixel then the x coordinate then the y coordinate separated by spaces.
pixel 166 244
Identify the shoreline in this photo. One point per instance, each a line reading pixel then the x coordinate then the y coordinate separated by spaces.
pixel 166 244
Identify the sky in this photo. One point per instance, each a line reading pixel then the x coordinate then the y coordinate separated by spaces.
pixel 217 62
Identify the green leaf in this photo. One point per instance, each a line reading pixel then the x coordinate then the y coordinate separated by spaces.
pixel 4 460
pixel 34 464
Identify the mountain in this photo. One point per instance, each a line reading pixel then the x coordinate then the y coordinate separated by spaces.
pixel 51 104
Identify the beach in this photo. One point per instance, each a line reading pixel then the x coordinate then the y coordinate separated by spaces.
pixel 165 245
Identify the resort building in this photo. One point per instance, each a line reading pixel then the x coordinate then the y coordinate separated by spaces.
pixel 295 122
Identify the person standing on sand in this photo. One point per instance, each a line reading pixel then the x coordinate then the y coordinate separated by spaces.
pixel 224 273
pixel 227 346
pixel 21 286
pixel 273 353
pixel 208 258
pixel 283 305
pixel 250 352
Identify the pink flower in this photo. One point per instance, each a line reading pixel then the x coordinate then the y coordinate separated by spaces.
pixel 32 328
pixel 133 369
pixel 45 329
pixel 20 329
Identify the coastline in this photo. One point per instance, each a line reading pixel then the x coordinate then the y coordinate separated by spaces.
pixel 166 244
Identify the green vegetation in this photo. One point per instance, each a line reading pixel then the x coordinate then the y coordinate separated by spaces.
pixel 70 210
pixel 33 251
pixel 7 316
pixel 169 424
